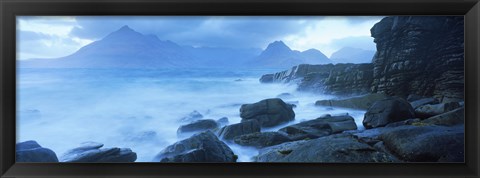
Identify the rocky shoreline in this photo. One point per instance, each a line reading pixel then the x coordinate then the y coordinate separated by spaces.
pixel 412 93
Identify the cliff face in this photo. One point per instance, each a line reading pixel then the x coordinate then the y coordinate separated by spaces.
pixel 419 55
pixel 415 55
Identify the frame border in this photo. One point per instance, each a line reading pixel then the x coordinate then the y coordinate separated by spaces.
pixel 9 9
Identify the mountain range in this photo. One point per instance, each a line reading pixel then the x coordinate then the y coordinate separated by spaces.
pixel 127 48
pixel 352 55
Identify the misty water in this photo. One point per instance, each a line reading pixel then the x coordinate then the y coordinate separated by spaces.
pixel 140 109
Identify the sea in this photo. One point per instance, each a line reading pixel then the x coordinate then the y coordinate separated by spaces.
pixel 140 109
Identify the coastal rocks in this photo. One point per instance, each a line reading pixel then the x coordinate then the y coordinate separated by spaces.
pixel 197 126
pixel 268 78
pixel 229 132
pixel 340 148
pixel 450 118
pixel 223 121
pixel 193 116
pixel 429 110
pixel 319 127
pixel 268 112
pixel 417 103
pixel 261 139
pixel 31 151
pixel 420 55
pixel 387 111
pixel 202 147
pixel 359 102
pixel 93 152
pixel 426 143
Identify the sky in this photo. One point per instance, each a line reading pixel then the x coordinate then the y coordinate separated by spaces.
pixel 58 36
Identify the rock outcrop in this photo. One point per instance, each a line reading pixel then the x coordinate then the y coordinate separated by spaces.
pixel 419 55
pixel 91 152
pixel 201 147
pixel 261 139
pixel 335 148
pixel 359 102
pixel 31 151
pixel 229 132
pixel 197 126
pixel 415 55
pixel 319 127
pixel 268 112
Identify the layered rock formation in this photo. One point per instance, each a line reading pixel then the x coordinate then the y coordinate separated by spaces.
pixel 415 55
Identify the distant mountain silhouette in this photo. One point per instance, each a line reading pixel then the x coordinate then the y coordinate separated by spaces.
pixel 352 55
pixel 124 48
pixel 279 55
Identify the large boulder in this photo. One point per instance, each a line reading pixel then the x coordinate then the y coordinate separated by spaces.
pixel 197 126
pixel 223 121
pixel 91 152
pixel 229 132
pixel 201 147
pixel 426 143
pixel 430 110
pixel 268 112
pixel 450 118
pixel 191 117
pixel 340 148
pixel 267 78
pixel 31 151
pixel 319 127
pixel 261 139
pixel 358 102
pixel 388 111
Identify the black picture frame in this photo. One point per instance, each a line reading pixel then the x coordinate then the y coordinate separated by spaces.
pixel 11 8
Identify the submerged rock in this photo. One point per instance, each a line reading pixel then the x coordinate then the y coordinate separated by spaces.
pixel 222 121
pixel 261 139
pixel 319 127
pixel 197 126
pixel 201 147
pixel 267 78
pixel 426 143
pixel 340 148
pixel 193 116
pixel 31 151
pixel 229 132
pixel 285 96
pixel 387 111
pixel 268 112
pixel 90 152
pixel 358 102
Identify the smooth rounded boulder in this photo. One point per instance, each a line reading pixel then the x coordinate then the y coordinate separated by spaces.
pixel 31 151
pixel 201 147
pixel 387 111
pixel 268 112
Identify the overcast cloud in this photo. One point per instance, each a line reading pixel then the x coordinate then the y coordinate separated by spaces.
pixel 51 37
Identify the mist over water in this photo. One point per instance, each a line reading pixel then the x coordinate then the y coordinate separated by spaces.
pixel 140 109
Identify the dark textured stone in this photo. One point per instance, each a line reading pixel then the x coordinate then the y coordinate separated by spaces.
pixel 430 110
pixel 387 111
pixel 340 148
pixel 223 121
pixel 358 102
pixel 201 147
pixel 229 132
pixel 319 127
pixel 422 55
pixel 197 126
pixel 268 112
pixel 267 78
pixel 426 143
pixel 417 103
pixel 92 152
pixel 450 118
pixel 261 139
pixel 31 151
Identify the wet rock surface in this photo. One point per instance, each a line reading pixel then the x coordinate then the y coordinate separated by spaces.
pixel 268 112
pixel 93 152
pixel 31 151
